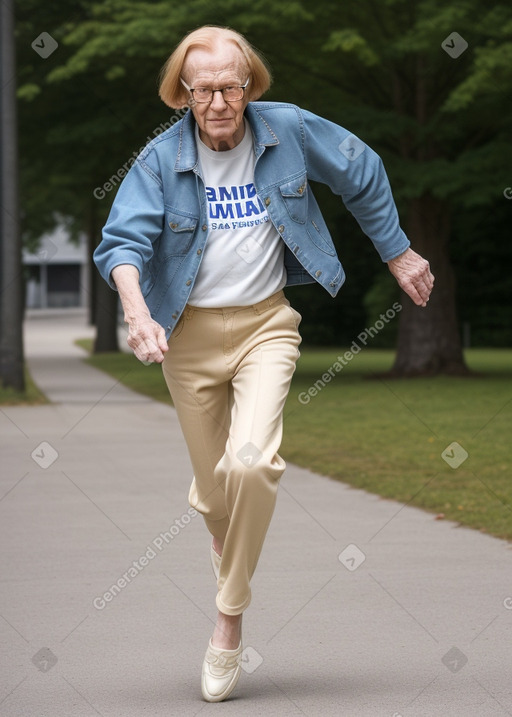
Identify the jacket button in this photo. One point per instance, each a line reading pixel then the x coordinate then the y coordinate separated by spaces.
pixel 199 251
pixel 173 225
pixel 267 201
pixel 174 316
pixel 204 227
pixel 188 282
pixel 280 228
pixel 318 273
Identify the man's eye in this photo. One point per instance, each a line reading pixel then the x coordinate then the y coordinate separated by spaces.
pixel 202 90
pixel 230 88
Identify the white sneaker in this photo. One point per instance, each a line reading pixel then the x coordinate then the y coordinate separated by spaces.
pixel 221 670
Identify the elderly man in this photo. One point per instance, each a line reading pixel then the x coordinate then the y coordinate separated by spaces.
pixel 213 220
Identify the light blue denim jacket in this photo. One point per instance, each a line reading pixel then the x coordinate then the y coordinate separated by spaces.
pixel 159 222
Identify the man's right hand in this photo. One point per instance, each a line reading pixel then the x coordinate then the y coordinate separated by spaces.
pixel 145 336
pixel 147 339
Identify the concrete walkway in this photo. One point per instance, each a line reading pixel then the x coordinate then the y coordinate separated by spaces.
pixel 107 596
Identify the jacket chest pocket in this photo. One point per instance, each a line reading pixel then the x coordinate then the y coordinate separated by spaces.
pixel 178 234
pixel 294 196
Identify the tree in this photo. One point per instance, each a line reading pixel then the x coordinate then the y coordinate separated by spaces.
pixel 437 105
pixel 383 70
pixel 11 313
pixel 82 123
pixel 397 75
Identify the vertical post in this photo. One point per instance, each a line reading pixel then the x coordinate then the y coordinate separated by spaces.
pixel 44 285
pixel 11 276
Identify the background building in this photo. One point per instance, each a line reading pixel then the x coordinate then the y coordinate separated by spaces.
pixel 57 274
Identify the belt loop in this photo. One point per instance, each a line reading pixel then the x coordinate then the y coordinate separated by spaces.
pixel 262 306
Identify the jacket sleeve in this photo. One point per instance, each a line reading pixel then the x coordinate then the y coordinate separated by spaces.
pixel 356 173
pixel 135 222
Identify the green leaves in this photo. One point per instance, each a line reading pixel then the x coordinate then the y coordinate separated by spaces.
pixel 351 42
pixel 491 76
pixel 376 67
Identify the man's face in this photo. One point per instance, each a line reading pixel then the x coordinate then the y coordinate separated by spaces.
pixel 221 123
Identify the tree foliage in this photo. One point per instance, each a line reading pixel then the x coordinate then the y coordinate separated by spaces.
pixel 441 124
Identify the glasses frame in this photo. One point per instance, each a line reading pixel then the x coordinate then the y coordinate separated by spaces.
pixel 204 102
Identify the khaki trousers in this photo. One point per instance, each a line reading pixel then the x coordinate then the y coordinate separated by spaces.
pixel 228 371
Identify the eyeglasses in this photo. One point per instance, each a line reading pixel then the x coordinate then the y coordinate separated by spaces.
pixel 231 93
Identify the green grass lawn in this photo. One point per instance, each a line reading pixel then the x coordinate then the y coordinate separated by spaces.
pixel 387 436
pixel 30 396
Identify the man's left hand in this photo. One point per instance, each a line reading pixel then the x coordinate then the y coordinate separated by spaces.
pixel 413 275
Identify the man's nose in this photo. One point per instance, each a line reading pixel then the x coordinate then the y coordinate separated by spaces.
pixel 218 102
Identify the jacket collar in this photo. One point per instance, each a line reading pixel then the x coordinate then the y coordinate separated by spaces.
pixel 187 160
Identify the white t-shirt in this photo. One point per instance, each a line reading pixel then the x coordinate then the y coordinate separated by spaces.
pixel 243 260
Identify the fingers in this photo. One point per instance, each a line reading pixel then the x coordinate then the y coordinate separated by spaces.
pixel 413 275
pixel 419 288
pixel 162 341
pixel 148 342
pixel 420 298
pixel 149 352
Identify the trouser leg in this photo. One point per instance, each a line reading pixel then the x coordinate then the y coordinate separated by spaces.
pixel 229 375
pixel 200 390
pixel 251 466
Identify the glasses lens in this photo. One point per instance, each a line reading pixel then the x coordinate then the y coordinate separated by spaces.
pixel 232 94
pixel 202 94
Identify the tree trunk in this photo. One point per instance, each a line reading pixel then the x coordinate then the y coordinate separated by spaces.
pixel 105 300
pixel 428 338
pixel 11 276
pixel 106 318
pixel 93 235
